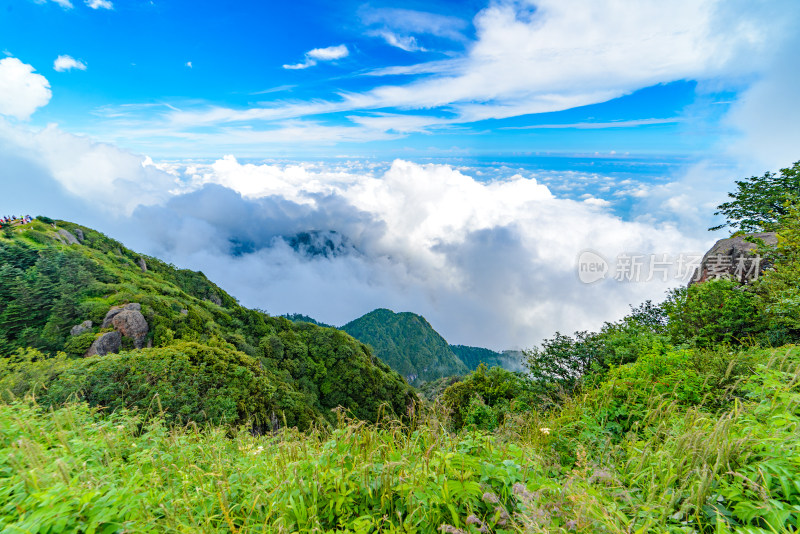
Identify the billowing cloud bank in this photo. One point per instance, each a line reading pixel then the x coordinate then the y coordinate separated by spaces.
pixel 489 263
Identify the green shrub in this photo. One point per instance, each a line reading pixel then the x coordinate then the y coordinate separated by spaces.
pixel 714 312
pixel 485 396
pixel 78 345
pixel 190 382
pixel 29 372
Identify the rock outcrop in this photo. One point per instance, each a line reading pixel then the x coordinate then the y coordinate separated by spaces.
pixel 68 238
pixel 129 322
pixel 79 329
pixel 142 265
pixel 116 310
pixel 79 235
pixel 108 343
pixel 734 258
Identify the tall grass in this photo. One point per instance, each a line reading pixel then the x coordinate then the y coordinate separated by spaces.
pixel 669 465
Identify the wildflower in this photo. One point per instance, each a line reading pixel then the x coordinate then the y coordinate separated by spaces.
pixel 474 520
pixel 544 430
pixel 490 497
pixel 502 516
pixel 259 450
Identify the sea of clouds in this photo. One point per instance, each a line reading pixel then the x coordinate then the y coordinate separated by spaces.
pixel 488 262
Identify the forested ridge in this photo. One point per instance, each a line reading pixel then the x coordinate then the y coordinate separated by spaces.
pixel 47 287
pixel 407 343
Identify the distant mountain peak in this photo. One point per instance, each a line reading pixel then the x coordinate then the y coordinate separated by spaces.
pixel 408 343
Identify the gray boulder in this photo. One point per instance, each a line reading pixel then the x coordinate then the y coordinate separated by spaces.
pixel 734 258
pixel 132 324
pixel 133 306
pixel 142 265
pixel 108 343
pixel 68 237
pixel 79 235
pixel 79 329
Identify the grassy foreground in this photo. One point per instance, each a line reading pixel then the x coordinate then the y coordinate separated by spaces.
pixel 676 442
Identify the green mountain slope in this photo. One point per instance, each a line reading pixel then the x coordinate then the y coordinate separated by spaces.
pixel 408 344
pixel 207 357
pixel 474 356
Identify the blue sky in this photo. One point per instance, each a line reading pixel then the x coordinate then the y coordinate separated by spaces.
pixel 461 154
pixel 138 90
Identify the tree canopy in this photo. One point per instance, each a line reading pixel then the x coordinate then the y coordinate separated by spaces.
pixel 759 202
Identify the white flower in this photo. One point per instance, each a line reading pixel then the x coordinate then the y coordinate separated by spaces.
pixel 544 430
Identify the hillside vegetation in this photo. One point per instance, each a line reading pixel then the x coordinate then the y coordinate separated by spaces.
pixel 210 358
pixel 407 343
pixel 474 356
pixel 682 417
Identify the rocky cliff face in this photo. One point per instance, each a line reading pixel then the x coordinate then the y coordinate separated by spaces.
pixel 735 257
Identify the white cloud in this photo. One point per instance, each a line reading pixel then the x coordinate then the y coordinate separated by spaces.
pixel 489 263
pixel 22 90
pixel 66 4
pixel 330 53
pixel 762 127
pixel 406 22
pixel 99 4
pixel 403 42
pixel 548 55
pixel 597 125
pixel 556 55
pixel 64 63
pixel 189 64
pixel 111 180
pixel 767 114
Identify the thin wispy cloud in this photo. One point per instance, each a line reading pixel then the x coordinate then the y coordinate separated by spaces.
pixel 330 53
pixel 597 125
pixel 527 61
pixel 403 42
pixel 278 89
pixel 411 22
pixel 66 4
pixel 99 4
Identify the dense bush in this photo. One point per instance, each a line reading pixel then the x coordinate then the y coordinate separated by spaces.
pixel 714 312
pixel 484 397
pixel 561 364
pixel 778 288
